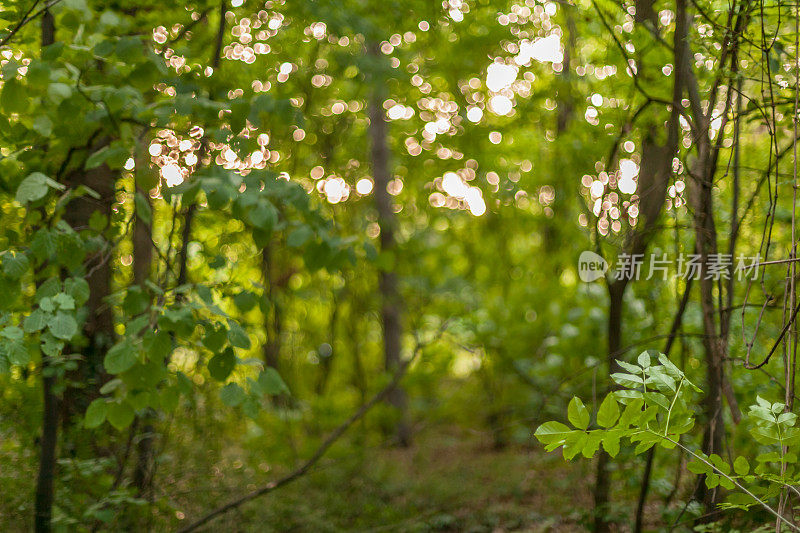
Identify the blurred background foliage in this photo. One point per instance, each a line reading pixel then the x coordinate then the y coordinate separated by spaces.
pixel 201 255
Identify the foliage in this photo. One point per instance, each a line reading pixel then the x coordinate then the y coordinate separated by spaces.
pixel 653 409
pixel 199 266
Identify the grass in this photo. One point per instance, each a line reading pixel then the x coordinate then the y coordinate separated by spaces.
pixel 448 481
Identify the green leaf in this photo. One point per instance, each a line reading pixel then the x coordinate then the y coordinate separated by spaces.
pixel 611 442
pixel 15 266
pixel 264 216
pixel 625 395
pixel 631 414
pixel 646 441
pixel 12 333
pixel 98 221
pixel 271 382
pixel 104 48
pixel 299 236
pixel 36 321
pixel 245 301
pixel 214 338
pixel 78 288
pixel 238 336
pixel 769 457
pixel 136 301
pixel 44 244
pixel 761 414
pixel 765 435
pixel 14 97
pixel 170 398
pixel 95 413
pixel 17 353
pixel 232 395
pixel 633 369
pixel 205 294
pixel 739 500
pixel 51 346
pixel 629 381
pixel 658 399
pixel 577 413
pixel 111 386
pixel 120 415
pixel 48 289
pixel 574 444
pixel 43 125
pixel 135 326
pixel 58 92
pixel 591 445
pixel 644 360
pixel 719 463
pixel 608 413
pixel 63 326
pixel 98 158
pixel 64 301
pixel 699 467
pixel 673 370
pixel 552 432
pixel 157 345
pixel 221 365
pixel 32 188
pixel 120 357
pixel 741 466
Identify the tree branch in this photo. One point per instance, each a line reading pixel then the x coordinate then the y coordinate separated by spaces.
pixel 323 448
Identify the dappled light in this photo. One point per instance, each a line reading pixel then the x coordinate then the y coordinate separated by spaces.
pixel 452 265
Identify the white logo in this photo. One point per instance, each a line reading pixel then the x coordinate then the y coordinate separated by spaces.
pixel 591 266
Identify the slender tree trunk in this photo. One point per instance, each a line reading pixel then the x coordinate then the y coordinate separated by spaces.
pixel 648 469
pixel 616 293
pixel 566 108
pixel 701 198
pixel 47 460
pixel 142 246
pixel 99 325
pixel 188 219
pixel 388 284
pixel 142 265
pixel 713 343
pixel 654 175
pixel 272 313
pixel 562 198
pixel 43 506
pixel 359 376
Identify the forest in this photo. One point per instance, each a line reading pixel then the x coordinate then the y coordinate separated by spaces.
pixel 399 266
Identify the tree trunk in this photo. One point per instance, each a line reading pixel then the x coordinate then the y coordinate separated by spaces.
pixel 142 265
pixel 98 328
pixel 388 285
pixel 43 506
pixel 701 202
pixel 616 293
pixel 47 459
pixel 562 198
pixel 714 344
pixel 272 313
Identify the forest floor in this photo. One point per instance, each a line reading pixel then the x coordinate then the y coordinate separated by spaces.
pixel 451 481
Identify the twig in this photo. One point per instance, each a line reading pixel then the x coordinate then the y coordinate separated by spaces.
pixel 28 18
pixel 323 448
